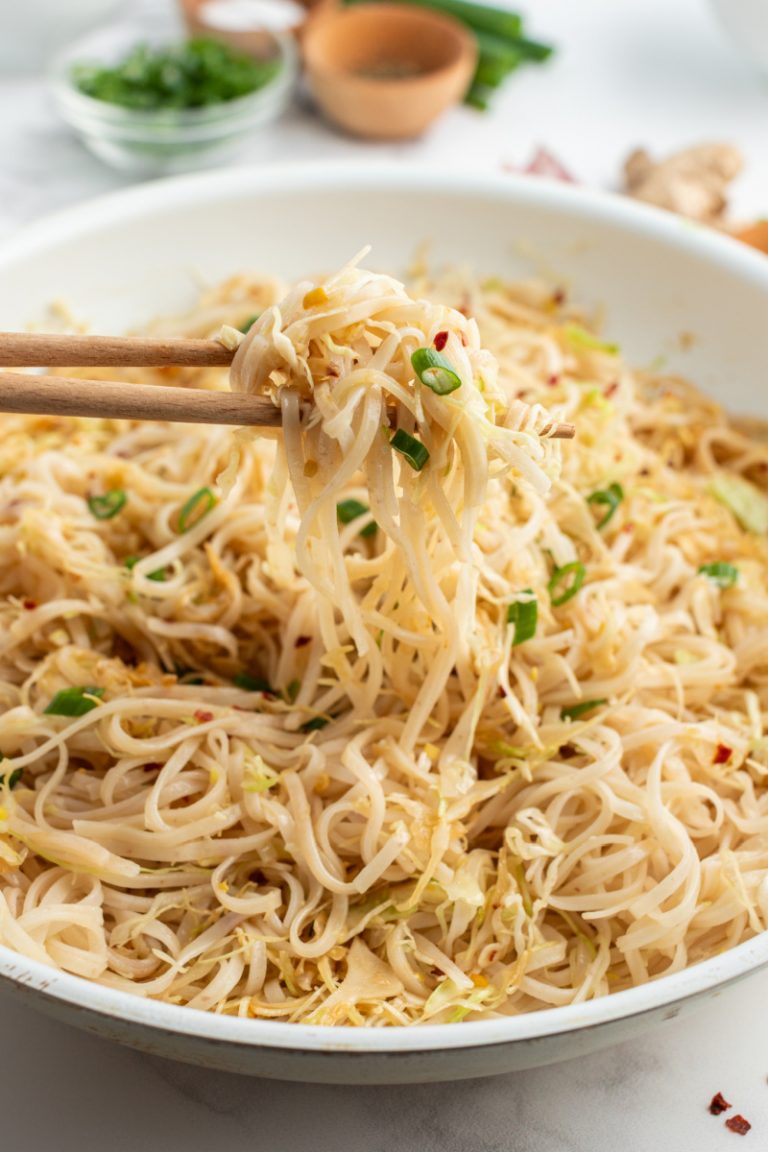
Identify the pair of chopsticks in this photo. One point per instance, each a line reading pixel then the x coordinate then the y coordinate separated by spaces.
pixel 108 399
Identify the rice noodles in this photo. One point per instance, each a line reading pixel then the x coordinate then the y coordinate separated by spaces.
pixel 407 713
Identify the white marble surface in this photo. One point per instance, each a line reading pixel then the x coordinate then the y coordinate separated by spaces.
pixel 655 72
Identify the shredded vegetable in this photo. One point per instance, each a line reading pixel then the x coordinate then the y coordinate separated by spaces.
pixel 486 759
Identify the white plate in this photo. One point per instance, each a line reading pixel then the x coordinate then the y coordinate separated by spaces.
pixel 667 287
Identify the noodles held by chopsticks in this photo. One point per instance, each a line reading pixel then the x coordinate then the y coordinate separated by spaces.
pixel 409 715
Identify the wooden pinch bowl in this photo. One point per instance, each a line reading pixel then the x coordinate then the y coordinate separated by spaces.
pixel 386 71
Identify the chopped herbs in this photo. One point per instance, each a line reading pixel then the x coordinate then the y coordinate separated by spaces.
pixel 74 701
pixel 249 323
pixel 720 572
pixel 106 506
pixel 349 510
pixel 579 337
pixel 292 691
pixel 414 451
pixel 198 506
pixel 250 683
pixel 581 709
pixel 609 498
pixel 130 563
pixel 435 371
pixel 194 74
pixel 565 582
pixel 524 614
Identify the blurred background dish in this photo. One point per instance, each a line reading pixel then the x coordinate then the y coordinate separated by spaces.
pixel 387 71
pixel 144 102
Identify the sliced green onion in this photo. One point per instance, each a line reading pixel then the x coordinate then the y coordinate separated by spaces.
pixel 250 683
pixel 14 777
pixel 106 506
pixel 531 49
pixel 498 49
pixel 74 701
pixel 478 96
pixel 524 614
pixel 747 503
pixel 569 578
pixel 414 451
pixel 721 573
pixel 349 510
pixel 292 690
pixel 198 505
pixel 435 371
pixel 483 17
pixel 580 338
pixel 577 710
pixel 492 71
pixel 315 724
pixel 130 563
pixel 610 498
pixel 249 323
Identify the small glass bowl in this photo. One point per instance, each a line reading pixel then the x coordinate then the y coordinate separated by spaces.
pixel 151 143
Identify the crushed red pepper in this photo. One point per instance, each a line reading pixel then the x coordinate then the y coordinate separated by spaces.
pixel 203 717
pixel 722 754
pixel 719 1104
pixel 302 641
pixel 738 1124
pixel 29 604
pixel 440 341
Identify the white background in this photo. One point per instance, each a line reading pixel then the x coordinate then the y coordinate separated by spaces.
pixel 628 72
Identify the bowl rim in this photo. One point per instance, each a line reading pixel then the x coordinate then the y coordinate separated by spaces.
pixel 163 196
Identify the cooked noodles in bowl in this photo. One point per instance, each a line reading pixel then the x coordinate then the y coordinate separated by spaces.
pixel 408 712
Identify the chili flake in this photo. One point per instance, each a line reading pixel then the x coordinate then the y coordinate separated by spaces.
pixel 440 341
pixel 719 1104
pixel 738 1125
pixel 722 754
pixel 203 717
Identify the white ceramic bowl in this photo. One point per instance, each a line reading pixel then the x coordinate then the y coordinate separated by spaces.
pixel 668 288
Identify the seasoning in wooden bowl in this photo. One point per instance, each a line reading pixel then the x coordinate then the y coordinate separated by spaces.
pixel 387 71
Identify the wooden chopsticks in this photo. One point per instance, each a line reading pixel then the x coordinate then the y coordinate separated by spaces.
pixel 110 399
pixel 52 350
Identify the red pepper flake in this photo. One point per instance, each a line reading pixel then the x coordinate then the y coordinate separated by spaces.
pixel 440 341
pixel 722 754
pixel 719 1104
pixel 738 1125
pixel 153 766
pixel 553 381
pixel 302 641
pixel 611 390
pixel 542 163
pixel 29 604
pixel 558 297
pixel 203 717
